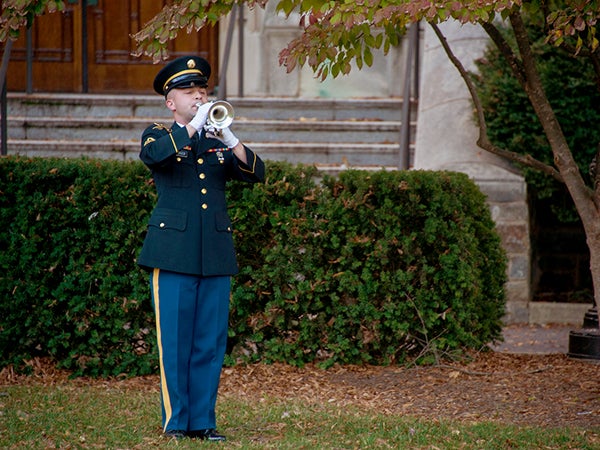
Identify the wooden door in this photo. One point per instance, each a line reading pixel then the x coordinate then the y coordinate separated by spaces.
pixel 59 63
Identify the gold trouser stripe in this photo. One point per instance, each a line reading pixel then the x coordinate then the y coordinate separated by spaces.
pixel 163 379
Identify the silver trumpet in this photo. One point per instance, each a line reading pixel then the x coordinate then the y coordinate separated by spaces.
pixel 220 115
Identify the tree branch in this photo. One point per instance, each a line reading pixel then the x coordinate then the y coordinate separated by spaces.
pixel 483 140
pixel 563 157
pixel 515 64
pixel 595 174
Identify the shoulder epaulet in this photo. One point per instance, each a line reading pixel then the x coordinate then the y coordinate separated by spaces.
pixel 160 126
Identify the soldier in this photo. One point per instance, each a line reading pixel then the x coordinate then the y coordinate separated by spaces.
pixel 188 248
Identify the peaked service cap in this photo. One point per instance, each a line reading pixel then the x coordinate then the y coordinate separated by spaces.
pixel 185 71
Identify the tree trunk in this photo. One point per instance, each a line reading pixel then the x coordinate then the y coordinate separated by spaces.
pixel 582 195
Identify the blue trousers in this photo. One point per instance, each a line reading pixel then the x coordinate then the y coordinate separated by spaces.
pixel 192 316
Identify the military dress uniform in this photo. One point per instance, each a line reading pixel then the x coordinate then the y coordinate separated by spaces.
pixel 190 254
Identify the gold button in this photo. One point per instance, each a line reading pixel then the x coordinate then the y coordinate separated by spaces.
pixel 202 176
pixel 228 228
pixel 204 191
pixel 200 161
pixel 162 225
pixel 178 159
pixel 204 206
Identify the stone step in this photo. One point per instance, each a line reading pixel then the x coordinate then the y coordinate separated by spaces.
pixel 344 154
pixel 267 130
pixel 144 106
pixel 362 132
pixel 322 154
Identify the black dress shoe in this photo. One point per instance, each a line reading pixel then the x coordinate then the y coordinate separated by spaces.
pixel 175 434
pixel 209 434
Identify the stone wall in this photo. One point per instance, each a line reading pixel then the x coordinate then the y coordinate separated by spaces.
pixel 446 140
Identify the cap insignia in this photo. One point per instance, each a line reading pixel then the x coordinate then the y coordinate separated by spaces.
pixel 191 63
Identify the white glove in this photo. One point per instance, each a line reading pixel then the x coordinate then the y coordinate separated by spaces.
pixel 199 119
pixel 225 136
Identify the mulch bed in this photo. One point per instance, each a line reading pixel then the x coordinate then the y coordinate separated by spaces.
pixel 533 390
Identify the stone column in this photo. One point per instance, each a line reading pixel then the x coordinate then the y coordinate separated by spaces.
pixel 446 140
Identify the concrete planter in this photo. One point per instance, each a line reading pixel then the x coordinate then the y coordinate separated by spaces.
pixel 585 343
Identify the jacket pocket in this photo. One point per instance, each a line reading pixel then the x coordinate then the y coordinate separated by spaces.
pixel 223 222
pixel 169 219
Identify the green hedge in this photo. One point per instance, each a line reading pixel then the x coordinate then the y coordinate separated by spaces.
pixel 69 287
pixel 368 267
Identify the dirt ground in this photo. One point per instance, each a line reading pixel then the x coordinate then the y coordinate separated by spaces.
pixel 528 380
pixel 545 390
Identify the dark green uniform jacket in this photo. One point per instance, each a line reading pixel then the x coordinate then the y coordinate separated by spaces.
pixel 190 230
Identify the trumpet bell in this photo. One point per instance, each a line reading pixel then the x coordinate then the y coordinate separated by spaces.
pixel 220 115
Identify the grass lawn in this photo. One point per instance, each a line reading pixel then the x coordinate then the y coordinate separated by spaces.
pixel 108 416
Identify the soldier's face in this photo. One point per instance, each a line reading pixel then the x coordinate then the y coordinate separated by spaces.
pixel 183 102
